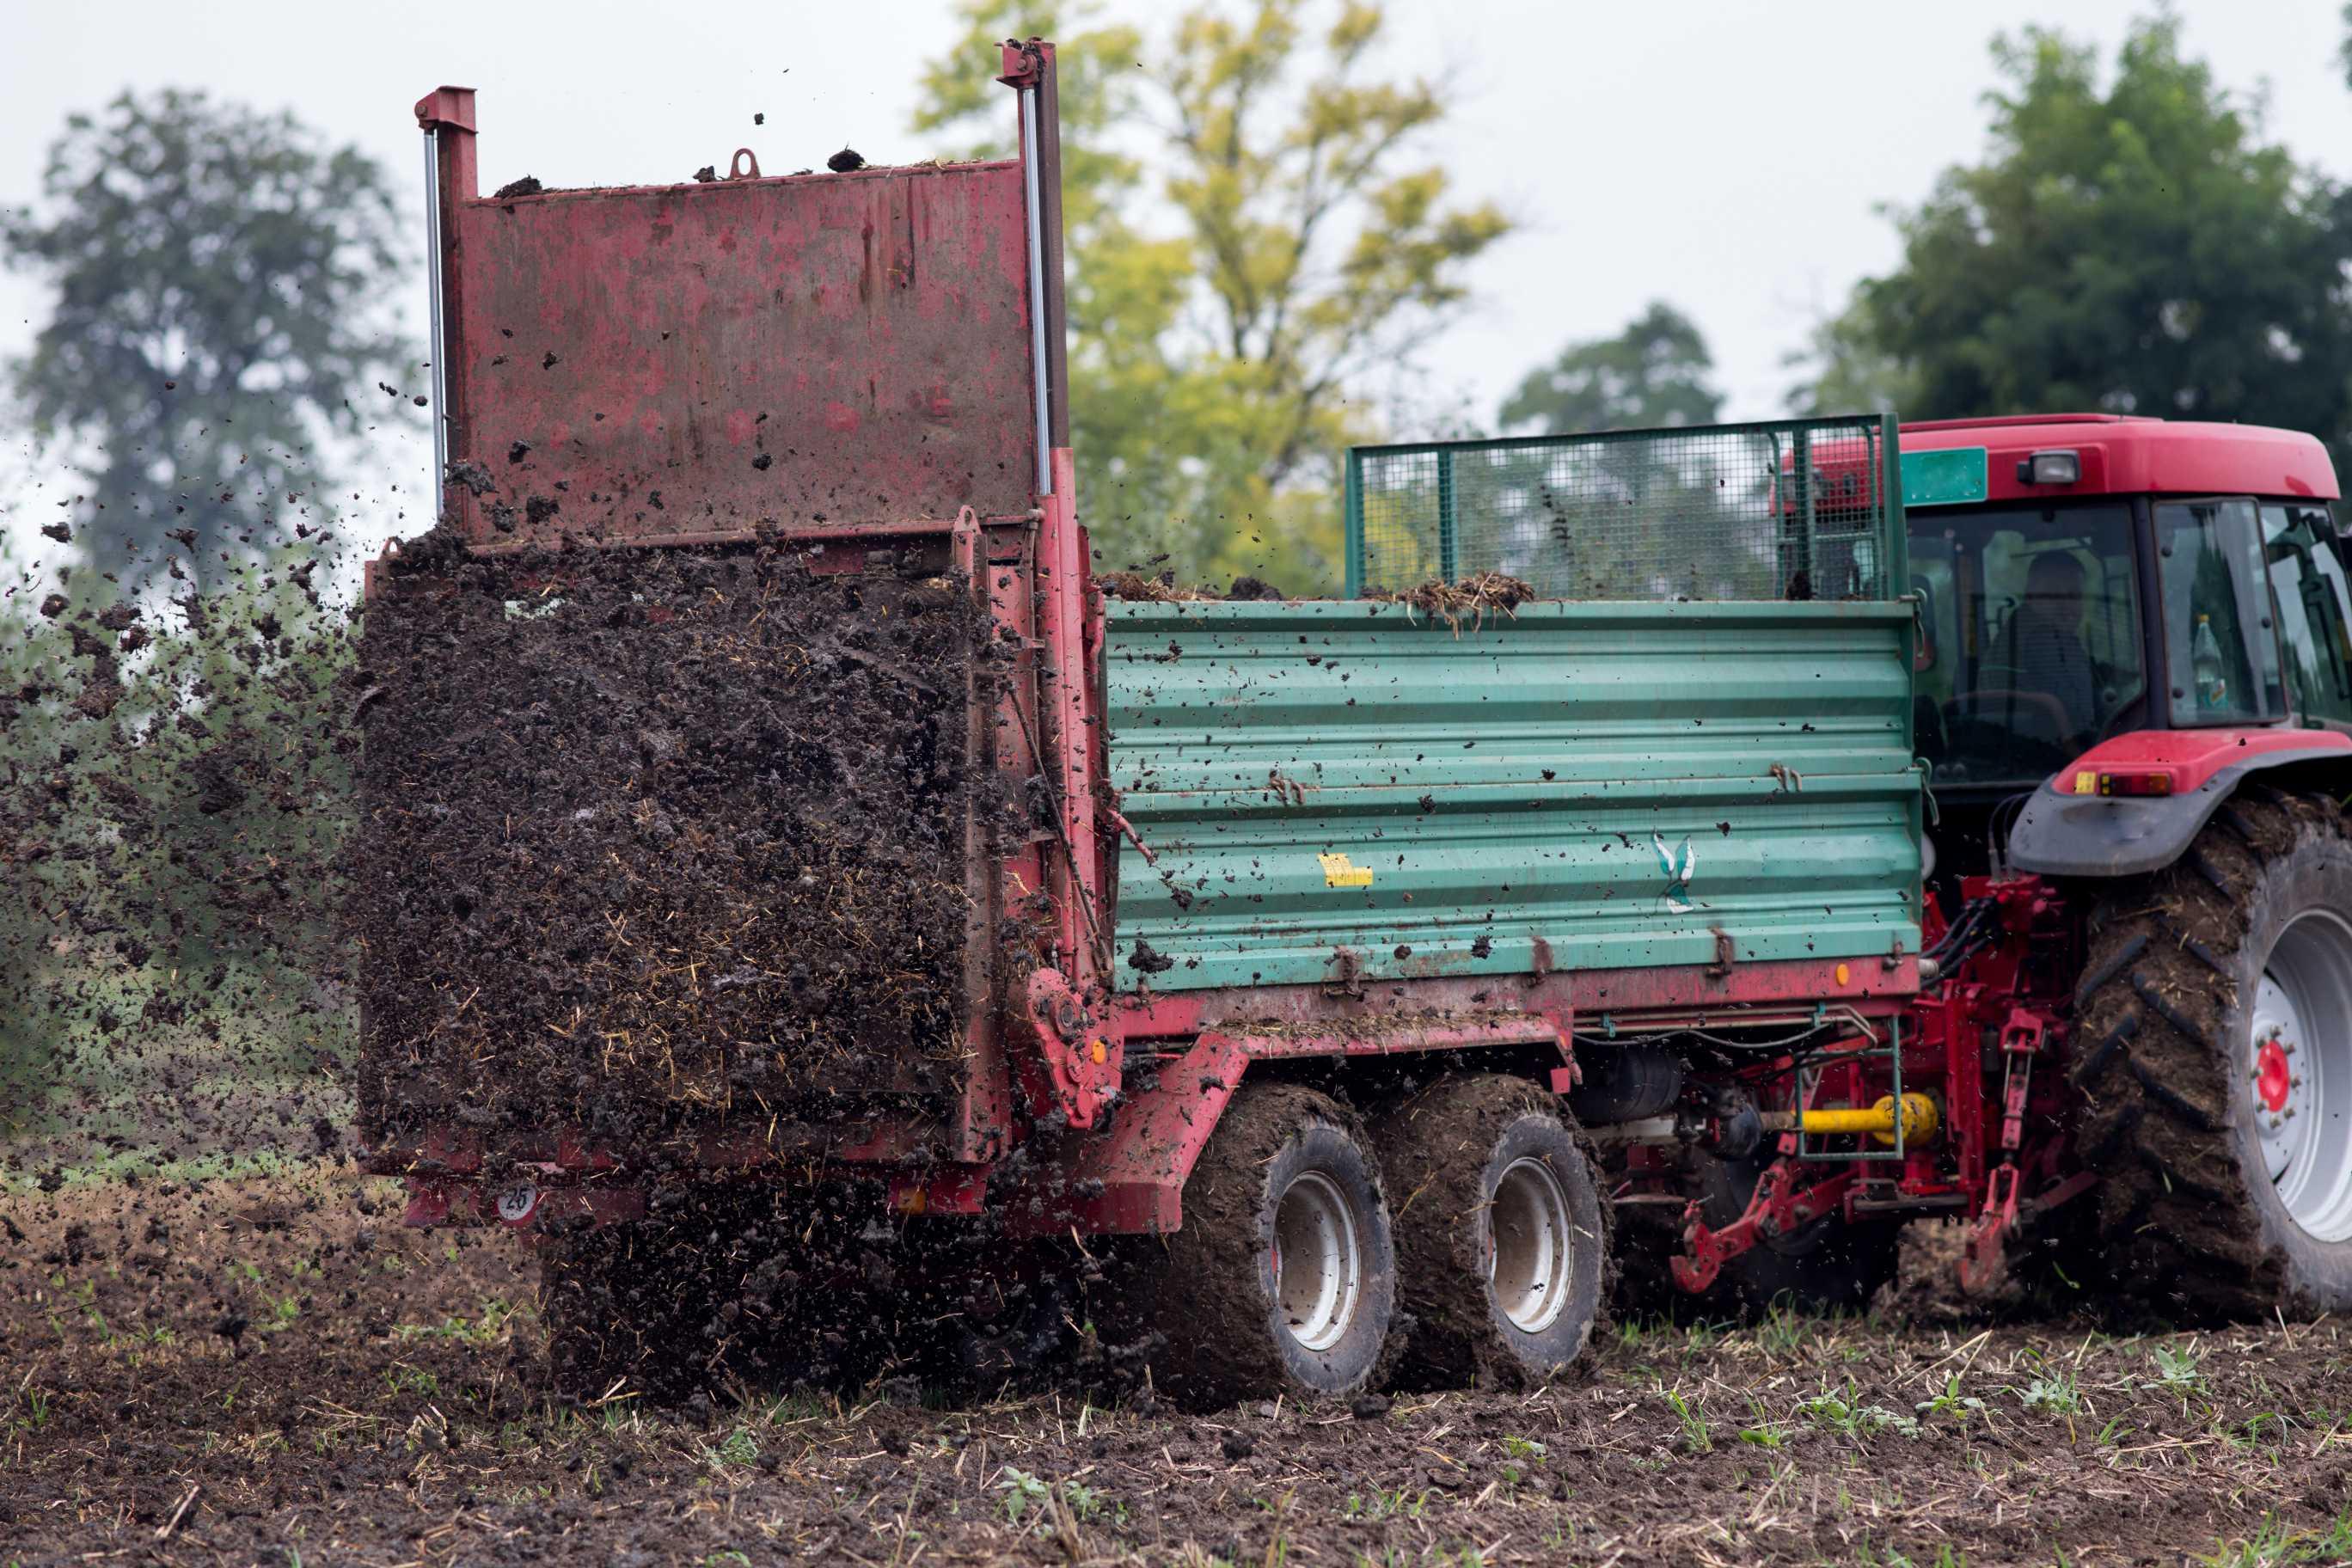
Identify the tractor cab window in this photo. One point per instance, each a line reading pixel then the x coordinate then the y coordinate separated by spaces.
pixel 2219 644
pixel 2308 585
pixel 2030 648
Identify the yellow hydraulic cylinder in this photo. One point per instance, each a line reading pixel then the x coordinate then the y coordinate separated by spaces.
pixel 1919 1120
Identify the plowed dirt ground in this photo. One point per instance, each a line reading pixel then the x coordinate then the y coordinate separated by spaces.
pixel 262 1372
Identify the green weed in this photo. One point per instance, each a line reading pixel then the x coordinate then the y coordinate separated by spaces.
pixel 1845 1414
pixel 2177 1371
pixel 400 1377
pixel 1785 1328
pixel 1023 1492
pixel 2055 1394
pixel 1697 1434
pixel 1951 1402
pixel 2274 1545
pixel 1394 1504
pixel 737 1449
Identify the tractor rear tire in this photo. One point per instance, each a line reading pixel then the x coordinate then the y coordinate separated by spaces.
pixel 2181 1043
pixel 1502 1238
pixel 1281 1278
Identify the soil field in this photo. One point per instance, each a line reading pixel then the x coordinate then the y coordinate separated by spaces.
pixel 268 1371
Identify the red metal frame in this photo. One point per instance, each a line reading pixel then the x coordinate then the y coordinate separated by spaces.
pixel 2002 1152
pixel 1634 997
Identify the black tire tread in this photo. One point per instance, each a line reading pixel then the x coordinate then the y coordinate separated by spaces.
pixel 1434 1180
pixel 1194 1294
pixel 2155 1125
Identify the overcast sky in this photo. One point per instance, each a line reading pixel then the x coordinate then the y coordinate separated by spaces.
pixel 1726 155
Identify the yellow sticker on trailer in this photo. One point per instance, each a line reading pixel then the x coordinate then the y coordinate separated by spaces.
pixel 1338 871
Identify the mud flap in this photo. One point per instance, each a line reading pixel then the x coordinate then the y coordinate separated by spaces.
pixel 1130 1177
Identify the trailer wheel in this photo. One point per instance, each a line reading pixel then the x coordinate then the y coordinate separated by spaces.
pixel 1502 1239
pixel 1281 1278
pixel 2213 1049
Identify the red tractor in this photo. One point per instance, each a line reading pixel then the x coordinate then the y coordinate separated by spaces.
pixel 2129 1065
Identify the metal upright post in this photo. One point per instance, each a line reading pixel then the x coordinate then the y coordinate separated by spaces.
pixel 1352 521
pixel 445 115
pixel 1802 456
pixel 1448 543
pixel 438 380
pixel 1039 359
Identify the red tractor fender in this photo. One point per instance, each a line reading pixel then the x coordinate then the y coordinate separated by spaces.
pixel 2132 803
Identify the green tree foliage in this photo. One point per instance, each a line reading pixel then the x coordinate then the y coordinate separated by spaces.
pixel 1845 370
pixel 220 279
pixel 2133 246
pixel 1253 245
pixel 1655 373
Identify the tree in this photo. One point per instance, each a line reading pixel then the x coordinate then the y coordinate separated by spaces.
pixel 1251 251
pixel 220 277
pixel 1846 371
pixel 2135 247
pixel 1614 520
pixel 1658 371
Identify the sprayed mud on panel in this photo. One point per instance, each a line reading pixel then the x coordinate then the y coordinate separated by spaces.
pixel 663 842
pixel 1337 792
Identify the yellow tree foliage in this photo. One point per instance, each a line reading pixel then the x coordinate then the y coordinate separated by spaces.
pixel 1255 246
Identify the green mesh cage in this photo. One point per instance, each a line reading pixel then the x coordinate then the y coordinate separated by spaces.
pixel 1790 508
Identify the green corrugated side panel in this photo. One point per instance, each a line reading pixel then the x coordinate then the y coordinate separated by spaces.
pixel 1506 784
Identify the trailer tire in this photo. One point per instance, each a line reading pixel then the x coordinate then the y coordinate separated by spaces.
pixel 1287 1178
pixel 2181 967
pixel 1502 1238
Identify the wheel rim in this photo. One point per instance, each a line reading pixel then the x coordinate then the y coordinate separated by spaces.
pixel 1528 1245
pixel 1317 1267
pixel 2299 1072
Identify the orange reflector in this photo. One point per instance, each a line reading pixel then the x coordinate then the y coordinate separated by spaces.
pixel 1841 973
pixel 2143 781
pixel 1100 1052
pixel 2130 780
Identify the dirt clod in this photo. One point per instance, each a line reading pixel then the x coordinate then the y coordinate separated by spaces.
pixel 1472 599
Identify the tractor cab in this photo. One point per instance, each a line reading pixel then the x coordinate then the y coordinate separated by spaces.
pixel 2083 578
